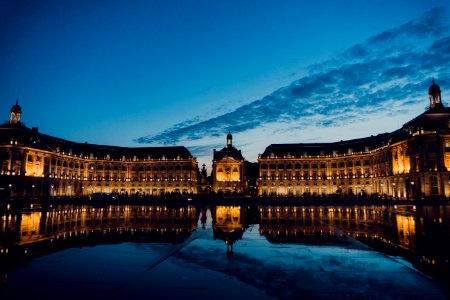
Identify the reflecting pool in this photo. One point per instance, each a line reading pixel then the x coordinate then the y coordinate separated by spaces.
pixel 267 252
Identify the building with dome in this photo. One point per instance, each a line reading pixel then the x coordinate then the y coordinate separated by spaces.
pixel 228 170
pixel 411 162
pixel 34 164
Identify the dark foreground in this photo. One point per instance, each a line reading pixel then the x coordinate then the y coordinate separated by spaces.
pixel 224 252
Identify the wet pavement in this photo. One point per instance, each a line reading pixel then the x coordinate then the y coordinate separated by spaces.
pixel 226 262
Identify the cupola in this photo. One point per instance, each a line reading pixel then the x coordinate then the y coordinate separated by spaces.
pixel 229 140
pixel 435 96
pixel 16 112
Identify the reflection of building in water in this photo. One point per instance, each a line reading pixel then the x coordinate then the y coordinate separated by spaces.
pixel 40 232
pixel 202 216
pixel 422 228
pixel 409 162
pixel 295 223
pixel 81 221
pixel 420 234
pixel 406 230
pixel 228 225
pixel 33 164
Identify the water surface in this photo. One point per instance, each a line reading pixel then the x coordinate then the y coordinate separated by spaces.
pixel 225 251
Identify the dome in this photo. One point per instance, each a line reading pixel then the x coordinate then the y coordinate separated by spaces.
pixel 16 108
pixel 434 89
pixel 229 136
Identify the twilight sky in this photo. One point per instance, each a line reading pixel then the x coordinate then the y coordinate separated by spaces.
pixel 185 72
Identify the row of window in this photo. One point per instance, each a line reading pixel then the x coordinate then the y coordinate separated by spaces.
pixel 341 164
pixel 78 164
pixel 93 177
pixel 122 168
pixel 220 170
pixel 313 177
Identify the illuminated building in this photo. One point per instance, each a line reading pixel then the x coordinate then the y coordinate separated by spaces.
pixel 411 162
pixel 228 169
pixel 228 225
pixel 40 232
pixel 38 165
pixel 167 223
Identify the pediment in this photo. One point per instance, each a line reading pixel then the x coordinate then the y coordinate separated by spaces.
pixel 228 159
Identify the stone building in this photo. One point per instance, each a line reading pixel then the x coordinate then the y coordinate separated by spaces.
pixel 411 162
pixel 38 165
pixel 228 169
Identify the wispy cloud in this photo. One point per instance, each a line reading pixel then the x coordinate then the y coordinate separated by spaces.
pixel 388 73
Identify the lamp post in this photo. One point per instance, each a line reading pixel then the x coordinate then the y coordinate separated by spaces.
pixel 32 192
pixel 10 190
pixel 412 190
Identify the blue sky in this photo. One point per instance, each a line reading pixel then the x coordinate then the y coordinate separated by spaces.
pixel 186 72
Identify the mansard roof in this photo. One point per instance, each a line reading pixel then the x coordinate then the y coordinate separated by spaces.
pixel 433 120
pixel 319 149
pixel 31 137
pixel 228 151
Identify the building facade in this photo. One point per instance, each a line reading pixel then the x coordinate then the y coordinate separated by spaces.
pixel 228 169
pixel 38 165
pixel 411 162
